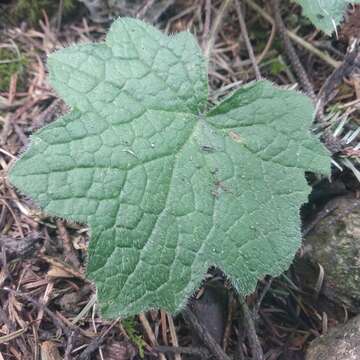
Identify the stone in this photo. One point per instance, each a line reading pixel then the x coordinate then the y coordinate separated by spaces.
pixel 334 244
pixel 341 343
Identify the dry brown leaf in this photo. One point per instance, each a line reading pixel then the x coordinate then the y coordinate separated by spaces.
pixel 49 351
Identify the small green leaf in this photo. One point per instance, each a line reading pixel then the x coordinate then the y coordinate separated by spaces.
pixel 168 189
pixel 325 14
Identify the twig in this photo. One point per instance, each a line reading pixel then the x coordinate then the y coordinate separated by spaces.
pixel 86 333
pixel 173 335
pixel 163 326
pixel 70 254
pixel 215 28
pixel 141 13
pixel 147 327
pixel 205 36
pixel 351 63
pixel 299 40
pixel 36 341
pixel 36 303
pixel 70 345
pixel 13 335
pixel 45 299
pixel 57 107
pixel 231 308
pixel 245 35
pixel 290 51
pixel 159 8
pixel 95 344
pixel 17 221
pixel 149 332
pixel 255 346
pixel 196 351
pixel 261 297
pixel 267 47
pixel 59 15
pixel 204 335
pixel 239 352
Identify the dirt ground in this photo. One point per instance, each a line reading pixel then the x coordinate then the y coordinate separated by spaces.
pixel 48 309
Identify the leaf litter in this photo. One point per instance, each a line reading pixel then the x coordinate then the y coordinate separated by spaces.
pixel 289 318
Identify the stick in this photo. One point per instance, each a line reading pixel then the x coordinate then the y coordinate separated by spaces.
pixel 351 62
pixel 58 323
pixel 96 342
pixel 196 351
pixel 173 335
pixel 149 332
pixel 204 335
pixel 245 34
pixel 290 51
pixel 255 346
pixel 205 36
pixel 215 28
pixel 141 13
pixel 328 59
pixel 261 297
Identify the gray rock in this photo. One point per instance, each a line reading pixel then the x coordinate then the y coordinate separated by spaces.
pixel 341 343
pixel 334 243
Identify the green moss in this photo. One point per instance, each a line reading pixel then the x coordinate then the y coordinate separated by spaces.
pixel 277 67
pixel 32 10
pixel 11 63
pixel 129 326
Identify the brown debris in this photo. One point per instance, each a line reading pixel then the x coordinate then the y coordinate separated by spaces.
pixel 351 28
pixel 50 351
pixel 47 307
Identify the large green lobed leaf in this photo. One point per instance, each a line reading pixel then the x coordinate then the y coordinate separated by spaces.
pixel 325 14
pixel 167 188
